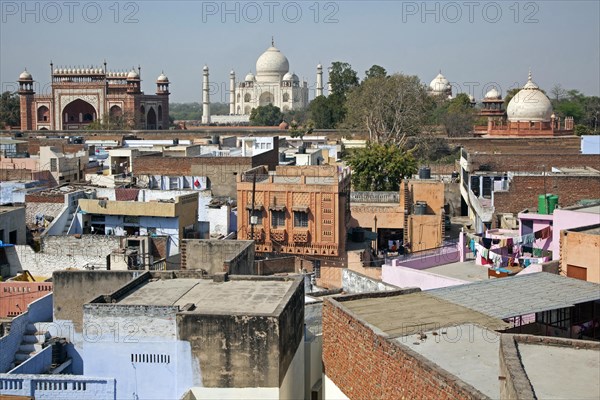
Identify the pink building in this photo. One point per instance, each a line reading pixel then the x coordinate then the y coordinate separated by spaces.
pixel 15 296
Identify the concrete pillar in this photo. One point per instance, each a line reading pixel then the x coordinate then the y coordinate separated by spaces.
pixel 205 98
pixel 481 186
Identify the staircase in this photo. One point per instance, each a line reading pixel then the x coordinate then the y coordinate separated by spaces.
pixel 34 336
pixel 68 223
pixel 407 210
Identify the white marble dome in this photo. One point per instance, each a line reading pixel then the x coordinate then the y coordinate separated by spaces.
pixel 133 75
pixel 249 77
pixel 493 94
pixel 529 104
pixel 162 78
pixel 439 84
pixel 272 61
pixel 26 76
pixel 288 76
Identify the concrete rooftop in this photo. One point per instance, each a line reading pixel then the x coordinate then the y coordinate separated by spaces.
pixel 466 271
pixel 561 372
pixel 234 296
pixel 407 314
pixel 467 351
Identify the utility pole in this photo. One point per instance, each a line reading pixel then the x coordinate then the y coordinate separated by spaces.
pixel 252 216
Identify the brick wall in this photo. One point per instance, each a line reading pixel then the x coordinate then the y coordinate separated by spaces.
pixel 44 198
pixel 563 145
pixel 532 161
pixel 365 365
pixel 170 166
pixel 331 277
pixel 524 191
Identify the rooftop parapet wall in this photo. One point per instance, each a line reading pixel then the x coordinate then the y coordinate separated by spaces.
pixel 364 363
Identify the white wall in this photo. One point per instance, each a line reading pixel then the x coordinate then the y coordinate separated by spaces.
pixel 292 386
pixel 112 335
pixel 331 391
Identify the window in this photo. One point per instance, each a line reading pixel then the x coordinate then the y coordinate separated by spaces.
pixel 53 162
pixel 300 219
pixel 277 218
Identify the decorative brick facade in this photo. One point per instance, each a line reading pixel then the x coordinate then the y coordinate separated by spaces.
pixel 79 96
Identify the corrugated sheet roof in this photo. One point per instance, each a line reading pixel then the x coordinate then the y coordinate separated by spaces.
pixel 520 295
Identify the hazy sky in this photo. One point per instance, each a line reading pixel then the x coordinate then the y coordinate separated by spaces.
pixel 476 44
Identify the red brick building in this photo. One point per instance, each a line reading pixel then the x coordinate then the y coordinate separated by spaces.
pixel 79 96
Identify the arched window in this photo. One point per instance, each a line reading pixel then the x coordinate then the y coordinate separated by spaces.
pixel 43 114
pixel 286 97
pixel 247 97
pixel 160 112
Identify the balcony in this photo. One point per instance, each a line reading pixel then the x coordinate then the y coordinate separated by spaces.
pixel 301 236
pixel 375 197
pixel 278 235
pixel 259 235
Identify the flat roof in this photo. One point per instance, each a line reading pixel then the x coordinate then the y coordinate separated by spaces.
pixel 407 314
pixel 520 295
pixel 557 372
pixel 467 351
pixel 466 271
pixel 233 296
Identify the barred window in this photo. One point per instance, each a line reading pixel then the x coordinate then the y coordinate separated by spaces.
pixel 277 218
pixel 300 219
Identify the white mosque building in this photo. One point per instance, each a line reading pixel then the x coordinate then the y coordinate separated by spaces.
pixel 440 86
pixel 273 83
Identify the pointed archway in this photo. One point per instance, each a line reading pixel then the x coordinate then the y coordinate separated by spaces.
pixel 151 119
pixel 78 114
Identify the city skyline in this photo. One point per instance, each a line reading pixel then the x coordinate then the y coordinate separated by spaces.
pixel 476 45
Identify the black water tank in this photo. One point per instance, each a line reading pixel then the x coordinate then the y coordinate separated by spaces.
pixel 282 157
pixel 424 173
pixel 301 150
pixel 358 235
pixel 214 139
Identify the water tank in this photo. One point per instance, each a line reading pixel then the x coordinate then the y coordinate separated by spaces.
pixel 552 203
pixel 547 203
pixel 424 173
pixel 420 208
pixel 214 139
pixel 301 150
pixel 282 157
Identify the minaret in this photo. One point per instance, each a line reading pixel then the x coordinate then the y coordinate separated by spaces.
pixel 329 90
pixel 319 81
pixel 205 98
pixel 26 95
pixel 232 93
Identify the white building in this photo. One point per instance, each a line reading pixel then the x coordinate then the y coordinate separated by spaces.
pixel 273 83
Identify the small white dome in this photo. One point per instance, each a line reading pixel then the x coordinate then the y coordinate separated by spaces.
pixel 288 76
pixel 272 61
pixel 162 78
pixel 472 98
pixel 205 68
pixel 25 76
pixel 439 84
pixel 319 66
pixel 249 77
pixel 529 104
pixel 493 94
pixel 133 75
pixel 232 73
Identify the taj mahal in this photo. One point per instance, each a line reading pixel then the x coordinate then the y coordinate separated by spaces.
pixel 272 83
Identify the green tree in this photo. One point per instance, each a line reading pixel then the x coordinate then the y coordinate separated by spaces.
pixel 380 167
pixel 375 71
pixel 268 115
pixel 112 123
pixel 10 110
pixel 390 108
pixel 342 78
pixel 319 111
pixel 459 118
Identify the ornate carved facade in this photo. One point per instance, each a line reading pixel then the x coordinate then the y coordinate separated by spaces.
pixel 79 96
pixel 296 210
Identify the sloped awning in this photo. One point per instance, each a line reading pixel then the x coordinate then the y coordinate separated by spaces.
pixel 303 209
pixel 276 208
pixel 257 207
